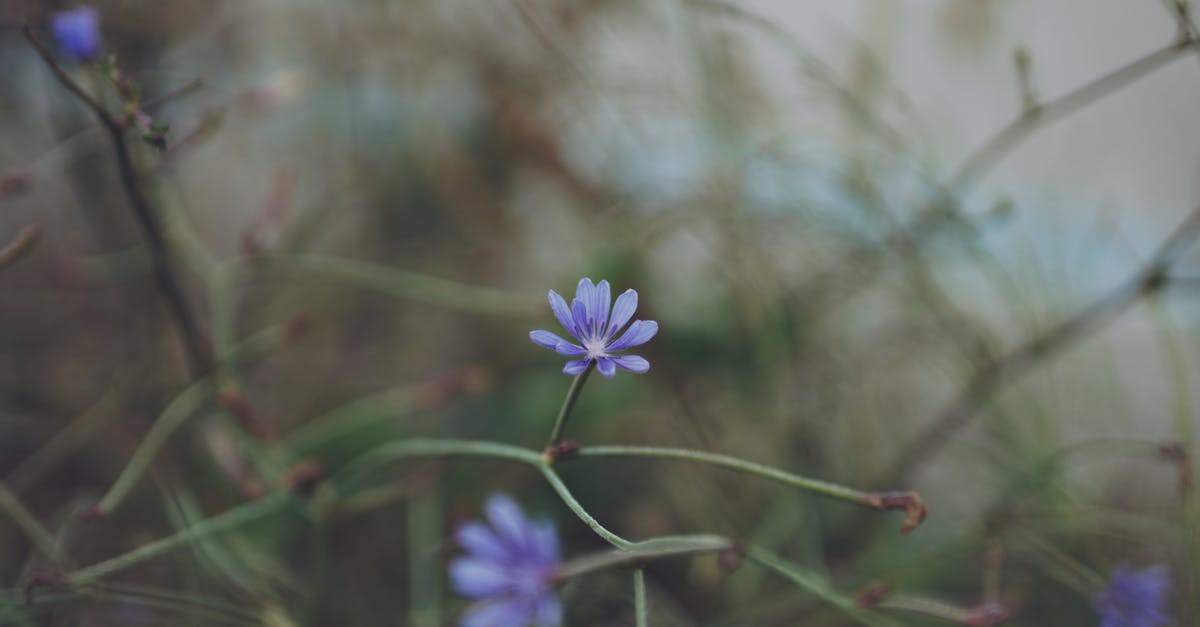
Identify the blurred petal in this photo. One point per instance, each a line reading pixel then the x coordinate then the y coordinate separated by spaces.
pixel 632 363
pixel 504 613
pixel 638 333
pixel 606 367
pixel 576 367
pixel 480 542
pixel 569 349
pixel 546 339
pixel 508 520
pixel 478 579
pixel 563 312
pixel 549 611
pixel 545 543
pixel 622 311
pixel 600 308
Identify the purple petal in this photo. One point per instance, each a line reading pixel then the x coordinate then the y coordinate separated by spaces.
pixel 549 611
pixel 638 333
pixel 546 339
pixel 580 315
pixel 585 292
pixel 570 350
pixel 480 542
pixel 503 613
pixel 545 543
pixel 508 520
pixel 78 32
pixel 601 302
pixel 576 367
pixel 478 579
pixel 622 311
pixel 563 312
pixel 632 363
pixel 606 366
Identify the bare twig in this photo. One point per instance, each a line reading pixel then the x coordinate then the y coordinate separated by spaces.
pixel 996 374
pixel 868 260
pixel 20 245
pixel 199 353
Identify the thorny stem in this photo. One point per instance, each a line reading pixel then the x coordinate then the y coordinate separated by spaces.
pixel 560 423
pixel 199 353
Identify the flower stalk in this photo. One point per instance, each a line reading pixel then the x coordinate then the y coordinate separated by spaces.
pixel 560 423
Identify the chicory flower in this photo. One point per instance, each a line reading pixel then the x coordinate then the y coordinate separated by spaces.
pixel 78 33
pixel 1134 598
pixel 594 320
pixel 509 569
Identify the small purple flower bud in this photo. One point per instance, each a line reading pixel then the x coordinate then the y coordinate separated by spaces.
pixel 78 33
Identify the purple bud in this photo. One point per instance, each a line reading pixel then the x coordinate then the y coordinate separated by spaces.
pixel 78 33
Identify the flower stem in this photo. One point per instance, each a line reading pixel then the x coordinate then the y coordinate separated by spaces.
pixel 560 423
pixel 235 517
pixel 639 597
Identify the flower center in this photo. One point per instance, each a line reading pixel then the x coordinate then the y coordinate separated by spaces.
pixel 595 348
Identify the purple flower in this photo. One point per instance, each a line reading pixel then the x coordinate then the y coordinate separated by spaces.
pixel 78 33
pixel 590 321
pixel 509 568
pixel 1134 599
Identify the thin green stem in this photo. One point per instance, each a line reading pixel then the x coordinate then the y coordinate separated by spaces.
pixel 173 417
pixel 432 447
pixel 814 583
pixel 639 553
pixel 41 538
pixel 233 518
pixel 400 283
pixel 639 598
pixel 560 423
pixel 568 499
pixel 733 463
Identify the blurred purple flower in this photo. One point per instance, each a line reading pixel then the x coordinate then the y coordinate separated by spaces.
pixel 78 33
pixel 1134 599
pixel 509 568
pixel 588 320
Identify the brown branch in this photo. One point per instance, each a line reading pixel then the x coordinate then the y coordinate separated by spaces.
pixel 996 374
pixel 197 347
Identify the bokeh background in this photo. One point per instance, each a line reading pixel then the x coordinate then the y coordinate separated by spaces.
pixel 818 202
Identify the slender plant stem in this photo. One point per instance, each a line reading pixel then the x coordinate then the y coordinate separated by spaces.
pixel 639 598
pixel 733 463
pixel 199 353
pixel 994 375
pixel 638 553
pixel 399 283
pixel 20 245
pixel 41 538
pixel 575 506
pixel 172 418
pixel 560 423
pixel 812 582
pixel 235 517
